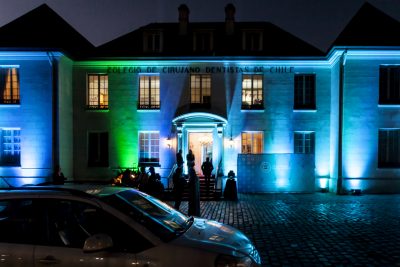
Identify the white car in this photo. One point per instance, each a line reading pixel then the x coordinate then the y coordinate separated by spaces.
pixel 93 225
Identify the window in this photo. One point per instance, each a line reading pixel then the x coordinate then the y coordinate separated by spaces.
pixel 18 222
pixel 389 85
pixel 149 148
pixel 389 148
pixel 200 90
pixel 252 142
pixel 252 40
pixel 304 142
pixel 149 92
pixel 304 91
pixel 202 41
pixel 72 222
pixel 98 91
pixel 152 41
pixel 252 91
pixel 10 147
pixel 98 150
pixel 9 86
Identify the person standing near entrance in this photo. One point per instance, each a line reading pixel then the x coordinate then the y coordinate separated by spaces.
pixel 194 192
pixel 179 159
pixel 207 168
pixel 179 187
pixel 190 159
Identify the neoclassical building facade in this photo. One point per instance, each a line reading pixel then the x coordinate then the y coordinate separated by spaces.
pixel 281 114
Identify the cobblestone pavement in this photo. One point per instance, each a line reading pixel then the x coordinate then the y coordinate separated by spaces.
pixel 315 229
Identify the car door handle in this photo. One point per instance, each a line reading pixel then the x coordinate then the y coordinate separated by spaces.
pixel 49 260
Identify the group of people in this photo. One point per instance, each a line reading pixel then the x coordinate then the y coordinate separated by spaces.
pixel 179 181
pixel 148 182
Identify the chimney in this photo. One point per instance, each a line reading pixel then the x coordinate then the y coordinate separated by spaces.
pixel 230 19
pixel 183 19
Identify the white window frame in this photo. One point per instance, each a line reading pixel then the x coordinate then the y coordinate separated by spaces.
pixel 10 146
pixel 249 144
pixel 200 87
pixel 304 142
pixel 97 91
pixel 149 147
pixel 252 91
pixel 149 91
pixel 10 93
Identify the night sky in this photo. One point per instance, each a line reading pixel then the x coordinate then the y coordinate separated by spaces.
pixel 315 21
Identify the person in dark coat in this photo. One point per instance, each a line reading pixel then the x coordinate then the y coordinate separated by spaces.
pixel 207 168
pixel 194 192
pixel 179 159
pixel 155 187
pixel 143 179
pixel 190 159
pixel 127 178
pixel 179 187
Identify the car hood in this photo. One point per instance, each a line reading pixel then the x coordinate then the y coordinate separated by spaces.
pixel 218 237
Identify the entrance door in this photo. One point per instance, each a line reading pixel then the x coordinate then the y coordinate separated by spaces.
pixel 201 144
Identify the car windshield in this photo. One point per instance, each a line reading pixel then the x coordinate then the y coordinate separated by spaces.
pixel 158 217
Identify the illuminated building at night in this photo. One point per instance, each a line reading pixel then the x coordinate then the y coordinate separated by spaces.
pixel 284 116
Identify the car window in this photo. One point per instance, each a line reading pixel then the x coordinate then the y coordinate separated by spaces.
pixel 18 222
pixel 72 222
pixel 153 214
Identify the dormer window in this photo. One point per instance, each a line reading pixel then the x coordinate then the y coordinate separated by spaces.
pixel 252 40
pixel 203 41
pixel 152 41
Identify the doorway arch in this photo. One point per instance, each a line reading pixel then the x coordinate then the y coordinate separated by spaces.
pixel 203 132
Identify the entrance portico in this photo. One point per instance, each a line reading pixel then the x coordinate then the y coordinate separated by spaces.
pixel 203 133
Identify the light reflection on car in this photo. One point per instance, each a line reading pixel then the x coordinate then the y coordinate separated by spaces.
pixel 113 226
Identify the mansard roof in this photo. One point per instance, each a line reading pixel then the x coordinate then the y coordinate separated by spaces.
pixel 276 42
pixel 370 27
pixel 43 29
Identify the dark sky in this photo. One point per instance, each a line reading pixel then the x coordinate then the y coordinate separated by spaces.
pixel 315 21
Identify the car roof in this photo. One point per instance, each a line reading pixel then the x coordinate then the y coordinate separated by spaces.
pixel 85 190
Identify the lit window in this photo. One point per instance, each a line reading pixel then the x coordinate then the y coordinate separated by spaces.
pixel 9 86
pixel 252 91
pixel 200 90
pixel 98 149
pixel 149 92
pixel 98 91
pixel 10 147
pixel 304 142
pixel 152 41
pixel 252 40
pixel 202 41
pixel 304 91
pixel 389 148
pixel 149 147
pixel 252 142
pixel 389 85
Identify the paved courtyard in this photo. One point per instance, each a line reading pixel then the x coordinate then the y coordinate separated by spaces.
pixel 315 229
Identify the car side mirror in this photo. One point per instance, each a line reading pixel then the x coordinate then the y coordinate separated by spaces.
pixel 97 242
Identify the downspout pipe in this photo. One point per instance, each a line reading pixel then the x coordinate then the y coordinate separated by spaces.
pixel 342 64
pixel 55 123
